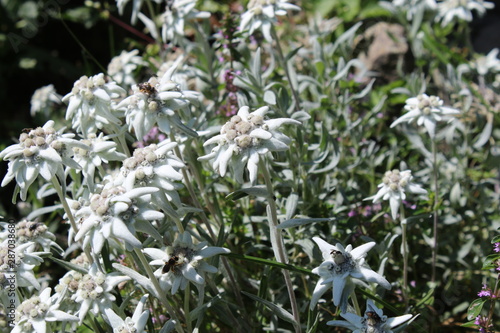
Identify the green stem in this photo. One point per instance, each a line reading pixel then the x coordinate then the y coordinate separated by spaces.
pixel 436 202
pixel 404 240
pixel 277 243
pixel 159 291
pixel 285 67
pixel 57 186
pixel 189 186
pixel 187 294
pixel 356 304
pixel 492 303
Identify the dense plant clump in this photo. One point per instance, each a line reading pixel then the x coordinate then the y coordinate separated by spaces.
pixel 267 165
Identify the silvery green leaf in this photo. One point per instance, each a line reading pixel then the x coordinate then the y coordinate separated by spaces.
pixel 301 116
pixel 256 68
pixel 291 205
pixel 257 191
pixel 270 97
pixel 168 327
pixel 348 35
pixel 364 92
pixel 484 137
pixel 344 70
pixel 455 193
pixel 280 312
pixel 42 211
pixel 70 266
pixel 137 277
pixel 300 222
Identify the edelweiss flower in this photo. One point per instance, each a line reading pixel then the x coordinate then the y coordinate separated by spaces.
pixel 461 9
pixel 156 102
pixel 177 12
pixel 116 213
pixel 427 110
pixel 122 67
pixel 411 7
pixel 393 187
pixel 35 232
pixel 136 7
pixel 483 64
pixel 153 166
pixel 90 104
pixel 183 262
pixel 262 14
pixel 373 321
pixel 43 98
pixel 22 265
pixel 340 268
pixel 135 324
pixel 244 138
pixel 94 291
pixel 39 151
pixel 33 314
pixel 99 150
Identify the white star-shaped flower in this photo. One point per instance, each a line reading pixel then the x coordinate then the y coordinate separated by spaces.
pixel 156 102
pixel 135 324
pixel 427 110
pixel 340 269
pixel 373 321
pixel 176 14
pixel 393 187
pixel 183 262
pixel 33 314
pixel 94 291
pixel 40 151
pixel 100 151
pixel 21 265
pixel 121 68
pixel 43 98
pixel 30 231
pixel 243 139
pixel 91 103
pixel 116 213
pixel 153 166
pixel 262 14
pixel 448 10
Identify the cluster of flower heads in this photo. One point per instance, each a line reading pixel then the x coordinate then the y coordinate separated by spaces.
pixel 158 102
pixel 446 11
pixel 33 314
pixel 91 104
pixel 373 321
pixel 427 111
pixel 183 262
pixel 341 269
pixel 40 151
pixel 243 139
pixel 394 186
pixel 261 14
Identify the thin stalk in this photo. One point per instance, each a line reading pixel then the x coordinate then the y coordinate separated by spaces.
pixel 189 186
pixel 404 240
pixel 285 67
pixel 492 303
pixel 187 295
pixel 57 186
pixel 122 141
pixel 278 242
pixel 356 304
pixel 160 292
pixel 436 202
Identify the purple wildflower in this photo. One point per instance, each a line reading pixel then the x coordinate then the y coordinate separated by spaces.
pixel 497 247
pixel 485 292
